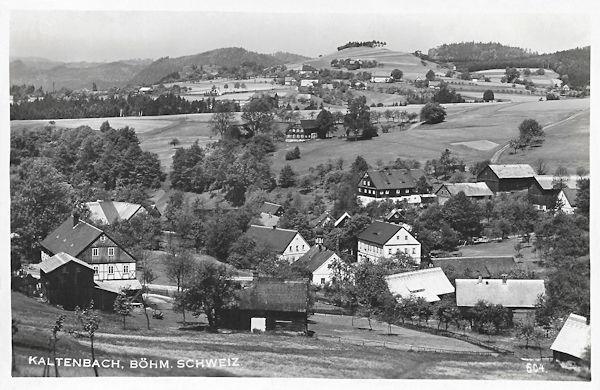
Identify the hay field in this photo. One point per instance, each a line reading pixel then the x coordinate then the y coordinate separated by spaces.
pixel 140 124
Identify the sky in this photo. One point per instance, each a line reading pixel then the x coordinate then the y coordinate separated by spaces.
pixel 305 27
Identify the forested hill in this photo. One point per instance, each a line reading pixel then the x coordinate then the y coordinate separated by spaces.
pixel 472 57
pixel 289 57
pixel 225 57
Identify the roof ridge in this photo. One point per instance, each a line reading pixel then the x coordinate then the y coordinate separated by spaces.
pixel 275 228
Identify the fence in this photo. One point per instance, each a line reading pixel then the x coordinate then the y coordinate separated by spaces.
pixel 403 347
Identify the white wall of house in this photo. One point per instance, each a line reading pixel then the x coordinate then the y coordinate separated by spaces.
pixel 114 271
pixel 411 199
pixel 295 249
pixel 565 205
pixel 402 242
pixel 322 274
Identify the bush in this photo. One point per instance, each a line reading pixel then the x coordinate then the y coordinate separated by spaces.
pixel 293 154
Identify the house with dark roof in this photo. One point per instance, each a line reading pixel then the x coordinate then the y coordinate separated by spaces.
pixel 473 267
pixel 317 261
pixel 394 216
pixel 67 281
pixel 109 260
pixel 542 190
pixel 517 295
pixel 381 76
pixel 507 177
pixel 342 220
pixel 394 184
pixel 289 244
pixel 567 197
pixel 281 305
pixel 572 340
pixel 322 220
pixel 272 209
pixel 382 239
pixel 308 70
pixel 473 191
pixel 107 212
pixel 307 129
pixel 268 220
pixel 427 283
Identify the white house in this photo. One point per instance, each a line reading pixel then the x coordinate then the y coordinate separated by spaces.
pixel 568 200
pixel 318 261
pixel 308 82
pixel 379 76
pixel 289 244
pixel 382 239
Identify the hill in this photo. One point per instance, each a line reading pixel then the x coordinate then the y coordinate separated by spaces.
pixel 74 75
pixel 411 65
pixel 225 57
pixel 289 57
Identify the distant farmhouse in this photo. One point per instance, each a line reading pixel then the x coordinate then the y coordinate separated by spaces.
pixel 380 76
pixel 272 209
pixel 289 244
pixel 473 267
pixel 542 189
pixel 473 191
pixel 426 283
pixel 108 212
pixel 507 178
pixel 572 340
pixel 308 70
pixel 318 261
pixel 382 239
pixel 307 129
pixel 394 184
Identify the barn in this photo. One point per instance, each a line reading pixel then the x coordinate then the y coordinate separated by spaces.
pixel 507 178
pixel 67 281
pixel 572 340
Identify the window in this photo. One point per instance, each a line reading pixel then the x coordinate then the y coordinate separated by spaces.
pixel 405 250
pixel 111 269
pixel 302 247
pixel 94 252
pixel 389 251
pixel 102 238
pixel 322 280
pixel 290 248
pixel 125 268
pixel 111 252
pixel 414 251
pixel 95 270
pixel 296 248
pixel 406 237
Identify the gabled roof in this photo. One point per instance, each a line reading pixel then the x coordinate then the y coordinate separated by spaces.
pixel 109 212
pixel 512 171
pixel 396 178
pixel 59 260
pixel 570 195
pixel 573 337
pixel 341 219
pixel 515 293
pixel 324 215
pixel 426 283
pixel 308 68
pixel 392 213
pixel 269 207
pixel 381 73
pixel 309 124
pixel 315 257
pixel 379 232
pixel 71 239
pixel 470 189
pixel 278 239
pixel 545 181
pixel 486 265
pixel 276 296
pixel 115 286
pixel 269 220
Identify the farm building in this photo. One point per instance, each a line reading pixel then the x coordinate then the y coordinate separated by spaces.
pixel 317 261
pixel 394 216
pixel 272 209
pixel 473 267
pixel 382 239
pixel 106 292
pixel 517 295
pixel 435 84
pixel 289 80
pixel 308 70
pixel 381 76
pixel 393 184
pixel 322 220
pixel 305 130
pixel 568 200
pixel 426 283
pixel 79 239
pixel 289 244
pixel 542 189
pixel 268 220
pixel 110 211
pixel 308 82
pixel 473 191
pixel 572 340
pixel 507 178
pixel 342 220
pixel 282 305
pixel 67 281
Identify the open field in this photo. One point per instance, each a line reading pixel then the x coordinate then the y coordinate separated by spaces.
pixel 258 355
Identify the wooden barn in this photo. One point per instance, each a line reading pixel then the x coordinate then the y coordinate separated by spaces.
pixel 473 267
pixel 507 178
pixel 282 305
pixel 67 281
pixel 572 340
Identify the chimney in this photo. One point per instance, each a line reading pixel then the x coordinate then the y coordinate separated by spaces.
pixel 504 278
pixel 274 227
pixel 75 218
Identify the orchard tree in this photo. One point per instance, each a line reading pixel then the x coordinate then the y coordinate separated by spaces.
pixel 430 75
pixel 122 305
pixel 179 267
pixel 221 120
pixel 90 322
pixel 287 177
pixel 529 130
pixel 432 113
pixel 488 95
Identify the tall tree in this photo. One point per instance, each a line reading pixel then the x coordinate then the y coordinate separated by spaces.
pixel 325 123
pixel 259 115
pixel 221 120
pixel 358 118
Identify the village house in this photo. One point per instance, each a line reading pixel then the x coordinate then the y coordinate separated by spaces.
pixel 381 76
pixel 433 84
pixel 268 220
pixel 308 82
pixel 308 70
pixel 428 284
pixel 289 244
pixel 269 305
pixel 307 129
pixel 322 220
pixel 271 209
pixel 79 239
pixel 394 216
pixel 473 267
pixel 289 80
pixel 382 239
pixel 67 281
pixel 567 198
pixel 393 184
pixel 572 340
pixel 517 295
pixel 542 190
pixel 107 212
pixel 342 220
pixel 507 178
pixel 318 261
pixel 473 191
